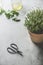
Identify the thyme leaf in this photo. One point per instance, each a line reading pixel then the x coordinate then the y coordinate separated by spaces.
pixel 15 19
pixel 10 14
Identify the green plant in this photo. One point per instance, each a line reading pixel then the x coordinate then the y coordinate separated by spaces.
pixel 1 11
pixel 10 14
pixel 34 21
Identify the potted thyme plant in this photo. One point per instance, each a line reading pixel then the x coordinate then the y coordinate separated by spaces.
pixel 34 24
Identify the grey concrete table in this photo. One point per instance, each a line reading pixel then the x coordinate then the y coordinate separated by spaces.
pixel 12 32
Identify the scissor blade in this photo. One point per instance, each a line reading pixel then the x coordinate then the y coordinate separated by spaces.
pixel 19 52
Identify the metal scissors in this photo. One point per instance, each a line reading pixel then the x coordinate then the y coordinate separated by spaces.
pixel 13 49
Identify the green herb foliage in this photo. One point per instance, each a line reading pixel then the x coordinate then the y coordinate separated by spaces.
pixel 10 14
pixel 34 21
pixel 1 11
pixel 15 19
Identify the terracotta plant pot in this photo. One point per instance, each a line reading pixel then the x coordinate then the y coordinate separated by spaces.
pixel 37 38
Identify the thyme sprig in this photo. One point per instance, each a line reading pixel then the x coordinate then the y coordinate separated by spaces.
pixel 10 14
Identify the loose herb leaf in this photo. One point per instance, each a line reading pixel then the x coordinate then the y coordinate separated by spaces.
pixel 14 12
pixel 7 15
pixel 10 14
pixel 1 11
pixel 15 19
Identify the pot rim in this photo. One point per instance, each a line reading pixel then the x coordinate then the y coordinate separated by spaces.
pixel 35 33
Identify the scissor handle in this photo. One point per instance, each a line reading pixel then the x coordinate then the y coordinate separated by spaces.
pixel 14 46
pixel 10 50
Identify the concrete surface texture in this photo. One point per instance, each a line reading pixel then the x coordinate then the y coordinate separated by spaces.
pixel 13 32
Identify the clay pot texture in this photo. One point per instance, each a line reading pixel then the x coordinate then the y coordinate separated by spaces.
pixel 37 38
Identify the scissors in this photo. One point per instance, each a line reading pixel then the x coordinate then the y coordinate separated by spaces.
pixel 13 49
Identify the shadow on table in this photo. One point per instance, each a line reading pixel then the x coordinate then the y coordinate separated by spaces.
pixel 40 45
pixel 40 54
